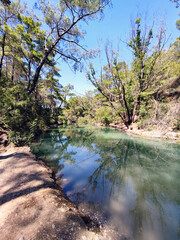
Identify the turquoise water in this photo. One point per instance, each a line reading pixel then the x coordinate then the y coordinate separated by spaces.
pixel 129 183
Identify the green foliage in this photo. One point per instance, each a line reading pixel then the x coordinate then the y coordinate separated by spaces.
pixel 31 94
pixel 104 115
pixel 88 110
pixel 178 24
pixel 30 100
pixel 84 120
pixel 130 92
pixel 62 119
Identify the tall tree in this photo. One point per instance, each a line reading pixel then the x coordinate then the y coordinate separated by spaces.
pixel 63 33
pixel 8 18
pixel 145 59
pixel 124 89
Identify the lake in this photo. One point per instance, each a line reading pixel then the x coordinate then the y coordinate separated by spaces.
pixel 128 183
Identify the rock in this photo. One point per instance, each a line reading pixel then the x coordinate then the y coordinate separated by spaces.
pixel 172 135
pixel 3 139
pixel 21 238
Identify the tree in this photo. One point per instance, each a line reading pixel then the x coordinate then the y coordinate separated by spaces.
pixel 31 40
pixel 7 20
pixel 31 95
pixel 63 33
pixel 145 60
pixel 22 42
pixel 123 89
pixel 112 86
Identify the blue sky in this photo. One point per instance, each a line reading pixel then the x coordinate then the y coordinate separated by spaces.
pixel 116 25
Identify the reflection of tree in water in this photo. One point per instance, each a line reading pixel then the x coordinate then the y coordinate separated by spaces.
pixel 147 166
pixel 52 148
pixel 79 137
pixel 147 163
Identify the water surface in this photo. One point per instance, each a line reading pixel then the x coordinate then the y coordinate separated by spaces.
pixel 130 183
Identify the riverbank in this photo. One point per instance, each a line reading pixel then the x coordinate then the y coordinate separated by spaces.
pixel 167 134
pixel 164 134
pixel 33 206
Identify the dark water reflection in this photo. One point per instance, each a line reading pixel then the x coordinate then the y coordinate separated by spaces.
pixel 133 183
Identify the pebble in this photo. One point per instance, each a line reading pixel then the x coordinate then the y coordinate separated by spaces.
pixel 83 237
pixel 21 238
pixel 53 226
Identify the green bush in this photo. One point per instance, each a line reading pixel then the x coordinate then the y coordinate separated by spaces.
pixel 62 119
pixel 104 115
pixel 85 120
pixel 19 138
pixel 149 128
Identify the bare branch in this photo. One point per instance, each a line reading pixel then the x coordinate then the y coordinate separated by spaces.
pixel 73 42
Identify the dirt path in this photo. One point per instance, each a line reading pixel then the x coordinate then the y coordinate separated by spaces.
pixel 32 205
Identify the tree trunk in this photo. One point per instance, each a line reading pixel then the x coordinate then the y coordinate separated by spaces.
pixel 3 54
pixel 156 109
pixel 128 117
pixel 29 74
pixel 37 72
pixel 39 67
pixel 12 73
pixel 135 108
